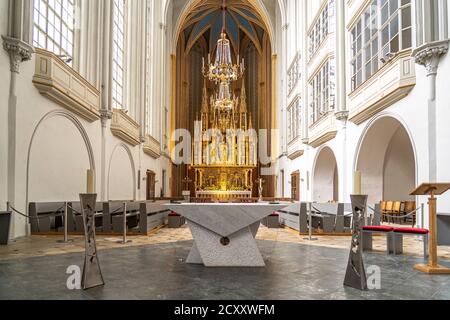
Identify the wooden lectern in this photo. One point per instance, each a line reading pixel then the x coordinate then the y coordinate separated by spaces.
pixel 432 190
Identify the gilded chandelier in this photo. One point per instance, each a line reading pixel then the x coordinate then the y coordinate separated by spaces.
pixel 224 100
pixel 223 69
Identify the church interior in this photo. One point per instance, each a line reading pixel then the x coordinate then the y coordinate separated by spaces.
pixel 224 150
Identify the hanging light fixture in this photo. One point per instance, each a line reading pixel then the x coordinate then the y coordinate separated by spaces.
pixel 223 69
pixel 224 100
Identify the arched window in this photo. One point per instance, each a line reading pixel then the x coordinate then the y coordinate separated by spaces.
pixel 118 55
pixel 53 27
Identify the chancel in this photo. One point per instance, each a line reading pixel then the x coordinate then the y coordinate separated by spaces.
pixel 224 150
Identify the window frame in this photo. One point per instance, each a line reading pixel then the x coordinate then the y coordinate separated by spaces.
pixel 321 28
pixel 115 102
pixel 322 86
pixel 294 120
pixel 366 61
pixel 45 33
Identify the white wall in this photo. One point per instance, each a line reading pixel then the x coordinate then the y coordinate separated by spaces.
pixel 57 169
pixel 121 174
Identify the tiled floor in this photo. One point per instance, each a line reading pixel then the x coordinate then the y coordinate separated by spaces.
pixel 36 246
pixel 153 268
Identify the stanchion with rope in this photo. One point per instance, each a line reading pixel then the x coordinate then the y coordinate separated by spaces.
pixel 408 215
pixel 66 228
pixel 124 225
pixel 310 238
pixel 54 214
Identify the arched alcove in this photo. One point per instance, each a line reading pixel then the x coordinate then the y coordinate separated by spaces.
pixel 57 164
pixel 121 174
pixel 325 177
pixel 386 160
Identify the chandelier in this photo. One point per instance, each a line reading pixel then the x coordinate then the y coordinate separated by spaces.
pixel 223 100
pixel 223 69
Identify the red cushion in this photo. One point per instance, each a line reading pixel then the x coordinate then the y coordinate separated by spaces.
pixel 275 214
pixel 378 228
pixel 173 214
pixel 412 230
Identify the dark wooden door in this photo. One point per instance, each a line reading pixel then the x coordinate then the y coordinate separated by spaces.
pixel 151 182
pixel 295 186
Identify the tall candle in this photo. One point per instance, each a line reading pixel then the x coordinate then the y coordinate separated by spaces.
pixel 90 185
pixel 357 183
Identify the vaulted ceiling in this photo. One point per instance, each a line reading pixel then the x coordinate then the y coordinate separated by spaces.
pixel 205 22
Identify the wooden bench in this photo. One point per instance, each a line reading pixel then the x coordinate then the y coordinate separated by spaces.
pixel 398 234
pixel 394 238
pixel 75 218
pixel 367 237
pixel 152 215
pixel 272 221
pixel 176 220
pixel 46 216
pixel 131 215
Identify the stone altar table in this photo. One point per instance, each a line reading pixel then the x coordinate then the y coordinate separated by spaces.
pixel 224 233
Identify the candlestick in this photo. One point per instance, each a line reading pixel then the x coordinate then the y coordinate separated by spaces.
pixel 357 182
pixel 90 179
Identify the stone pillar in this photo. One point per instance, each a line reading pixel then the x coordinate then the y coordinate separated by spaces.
pixel 429 56
pixel 341 60
pixel 17 44
pixel 304 74
pixel 341 93
pixel 284 142
pixel 106 115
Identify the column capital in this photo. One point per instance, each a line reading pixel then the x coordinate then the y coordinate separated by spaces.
pixel 19 51
pixel 342 115
pixel 429 55
pixel 105 115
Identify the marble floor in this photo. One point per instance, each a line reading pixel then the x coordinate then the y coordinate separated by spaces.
pixel 153 267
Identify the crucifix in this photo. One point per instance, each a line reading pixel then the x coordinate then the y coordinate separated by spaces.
pixel 186 182
pixel 260 183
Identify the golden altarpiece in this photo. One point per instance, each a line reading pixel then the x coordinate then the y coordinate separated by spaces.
pixel 225 147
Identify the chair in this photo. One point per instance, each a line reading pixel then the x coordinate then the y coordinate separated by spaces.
pixel 383 210
pixel 410 206
pixel 388 210
pixel 396 209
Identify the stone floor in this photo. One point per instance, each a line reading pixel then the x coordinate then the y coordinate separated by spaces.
pixel 153 268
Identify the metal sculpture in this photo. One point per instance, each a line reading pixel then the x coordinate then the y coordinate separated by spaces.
pixel 92 275
pixel 355 276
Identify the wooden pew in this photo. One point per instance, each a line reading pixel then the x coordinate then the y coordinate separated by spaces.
pixel 75 218
pixel 152 215
pixel 43 216
pixel 132 216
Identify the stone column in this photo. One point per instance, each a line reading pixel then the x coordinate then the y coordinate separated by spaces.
pixel 341 92
pixel 17 44
pixel 304 72
pixel 106 115
pixel 429 56
pixel 284 142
